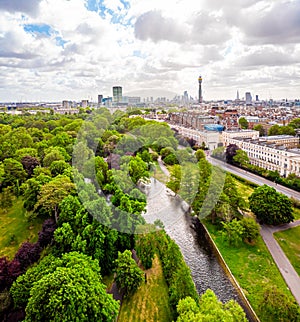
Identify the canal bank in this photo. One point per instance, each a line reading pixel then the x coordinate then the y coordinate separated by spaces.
pixel 206 270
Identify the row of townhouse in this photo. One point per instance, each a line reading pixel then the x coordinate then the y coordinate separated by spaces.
pixel 211 139
pixel 271 155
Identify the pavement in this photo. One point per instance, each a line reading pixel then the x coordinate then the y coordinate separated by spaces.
pixel 285 267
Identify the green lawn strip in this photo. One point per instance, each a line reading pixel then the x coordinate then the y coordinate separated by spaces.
pixel 252 266
pixel 244 189
pixel 159 174
pixel 151 301
pixel 15 229
pixel 289 242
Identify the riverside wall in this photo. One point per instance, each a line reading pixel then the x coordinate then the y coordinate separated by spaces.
pixel 247 306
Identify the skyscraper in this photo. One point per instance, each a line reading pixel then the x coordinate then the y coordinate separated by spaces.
pixel 200 88
pixel 117 94
pixel 248 98
pixel 100 98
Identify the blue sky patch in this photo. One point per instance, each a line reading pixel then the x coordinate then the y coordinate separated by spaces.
pixel 41 29
pixel 60 42
pixel 125 3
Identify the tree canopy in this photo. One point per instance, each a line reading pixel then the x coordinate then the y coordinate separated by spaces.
pixel 270 206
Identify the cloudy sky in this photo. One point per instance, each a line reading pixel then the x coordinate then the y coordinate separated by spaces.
pixel 52 50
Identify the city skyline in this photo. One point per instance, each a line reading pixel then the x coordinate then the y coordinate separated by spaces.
pixel 51 50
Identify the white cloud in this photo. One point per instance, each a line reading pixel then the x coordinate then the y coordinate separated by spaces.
pixel 149 45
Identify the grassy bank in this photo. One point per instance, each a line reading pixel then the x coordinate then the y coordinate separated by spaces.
pixel 158 174
pixel 150 302
pixel 289 242
pixel 252 266
pixel 15 229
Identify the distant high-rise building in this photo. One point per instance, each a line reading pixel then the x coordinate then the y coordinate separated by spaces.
pixel 66 104
pixel 100 98
pixel 256 98
pixel 237 95
pixel 117 94
pixel 200 89
pixel 84 103
pixel 248 98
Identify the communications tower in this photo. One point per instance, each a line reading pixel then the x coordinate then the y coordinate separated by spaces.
pixel 200 88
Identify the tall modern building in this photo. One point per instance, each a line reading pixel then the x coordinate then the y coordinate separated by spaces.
pixel 200 88
pixel 100 98
pixel 117 94
pixel 248 98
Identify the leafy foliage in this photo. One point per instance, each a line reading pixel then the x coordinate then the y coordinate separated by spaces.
pixel 209 309
pixel 64 288
pixel 270 206
pixel 128 275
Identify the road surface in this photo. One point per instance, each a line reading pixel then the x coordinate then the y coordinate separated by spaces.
pixel 254 178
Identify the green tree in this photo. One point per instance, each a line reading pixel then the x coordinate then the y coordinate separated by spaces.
pixel 276 306
pixel 144 245
pixel 128 275
pixel 138 169
pixel 52 193
pixel 200 154
pixel 260 129
pixel 209 309
pixel 274 130
pixel 58 167
pixel 270 206
pixel 251 229
pixel 241 158
pixel 233 232
pixel 175 178
pixel 243 123
pixel 6 198
pixel 14 173
pixel 295 123
pixel 72 291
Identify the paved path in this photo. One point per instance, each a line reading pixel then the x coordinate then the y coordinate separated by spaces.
pixel 285 267
pixel 163 167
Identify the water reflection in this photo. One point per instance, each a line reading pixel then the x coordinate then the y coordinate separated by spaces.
pixel 205 268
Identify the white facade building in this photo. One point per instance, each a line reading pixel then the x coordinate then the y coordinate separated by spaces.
pixel 270 156
pixel 241 134
pixel 211 139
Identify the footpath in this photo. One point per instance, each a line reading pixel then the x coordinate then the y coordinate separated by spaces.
pixel 286 269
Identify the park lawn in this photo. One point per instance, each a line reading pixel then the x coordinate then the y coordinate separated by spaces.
pixel 289 242
pixel 252 266
pixel 159 174
pixel 151 301
pixel 15 229
pixel 244 189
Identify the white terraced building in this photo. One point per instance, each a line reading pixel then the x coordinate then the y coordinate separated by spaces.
pixel 278 153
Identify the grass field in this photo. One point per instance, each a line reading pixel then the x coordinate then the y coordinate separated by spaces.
pixel 244 190
pixel 289 242
pixel 150 302
pixel 159 174
pixel 252 266
pixel 15 229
